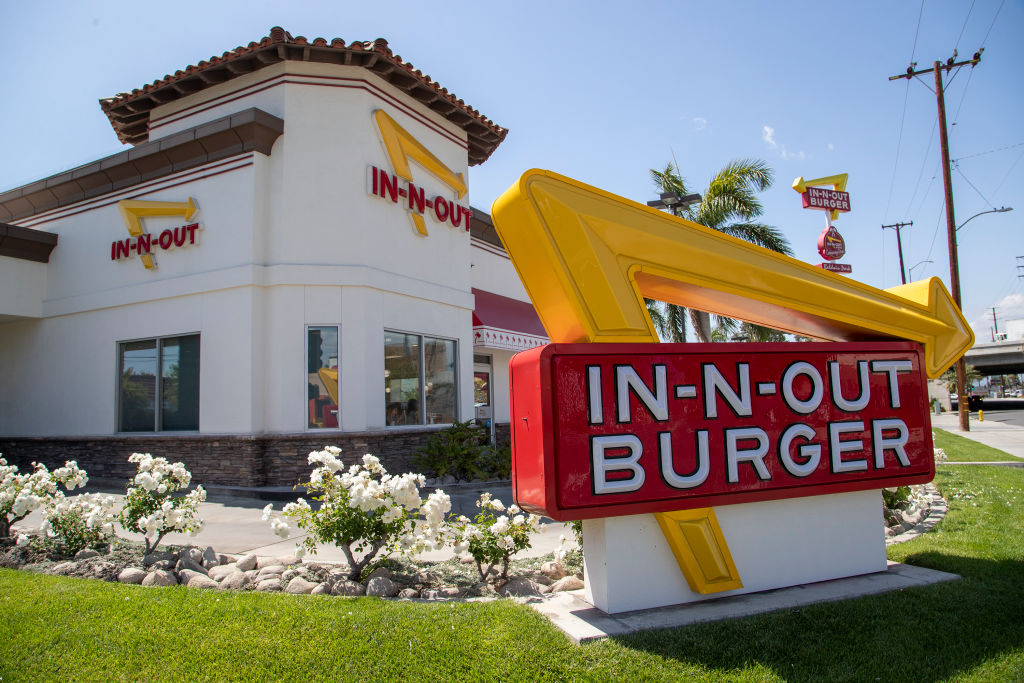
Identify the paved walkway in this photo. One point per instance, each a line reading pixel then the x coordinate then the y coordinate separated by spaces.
pixel 1005 437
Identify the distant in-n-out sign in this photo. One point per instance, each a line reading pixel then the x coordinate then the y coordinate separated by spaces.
pixel 621 429
pixel 825 199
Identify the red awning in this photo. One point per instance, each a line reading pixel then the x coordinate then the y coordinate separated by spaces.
pixel 500 322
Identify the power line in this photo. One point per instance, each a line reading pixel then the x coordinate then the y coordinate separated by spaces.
pixel 985 39
pixel 991 151
pixel 903 114
pixel 1008 172
pixel 964 26
pixel 957 167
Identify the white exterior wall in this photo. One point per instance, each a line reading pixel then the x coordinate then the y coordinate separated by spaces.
pixel 285 241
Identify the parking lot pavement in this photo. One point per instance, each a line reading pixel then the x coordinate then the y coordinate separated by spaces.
pixel 1005 437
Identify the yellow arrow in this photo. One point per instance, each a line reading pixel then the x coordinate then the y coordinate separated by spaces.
pixel 134 210
pixel 838 182
pixel 588 258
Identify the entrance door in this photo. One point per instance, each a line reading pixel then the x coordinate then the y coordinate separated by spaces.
pixel 482 390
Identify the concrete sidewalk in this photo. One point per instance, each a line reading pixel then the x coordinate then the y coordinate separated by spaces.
pixel 1005 437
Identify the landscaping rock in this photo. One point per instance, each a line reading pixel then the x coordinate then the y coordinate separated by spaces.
pixel 381 586
pixel 269 585
pixel 450 592
pixel 569 583
pixel 160 577
pixel 210 558
pixel 164 564
pixel 194 554
pixel 105 571
pixel 544 590
pixel 467 559
pixel 485 588
pixel 226 559
pixel 235 581
pixel 288 575
pixel 186 575
pixel 347 587
pixel 408 593
pixel 380 571
pixel 448 480
pixel 299 586
pixel 520 587
pixel 553 570
pixel 222 571
pixel 252 574
pixel 133 575
pixel 266 562
pixel 157 556
pixel 321 589
pixel 275 569
pixel 288 560
pixel 246 563
pixel 202 581
pixel 189 563
pixel 542 580
pixel 85 554
pixel 425 578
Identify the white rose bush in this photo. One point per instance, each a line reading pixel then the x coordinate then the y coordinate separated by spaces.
pixel 363 509
pixel 85 521
pixel 21 494
pixel 154 505
pixel 492 538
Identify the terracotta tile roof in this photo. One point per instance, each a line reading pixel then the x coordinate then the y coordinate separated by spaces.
pixel 129 112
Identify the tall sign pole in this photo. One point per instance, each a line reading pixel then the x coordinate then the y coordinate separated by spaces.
pixel 954 266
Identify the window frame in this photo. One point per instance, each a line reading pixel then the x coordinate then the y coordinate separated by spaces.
pixel 158 416
pixel 421 396
pixel 305 364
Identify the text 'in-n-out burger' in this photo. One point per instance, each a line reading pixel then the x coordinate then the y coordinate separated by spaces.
pixel 386 185
pixel 146 243
pixel 617 429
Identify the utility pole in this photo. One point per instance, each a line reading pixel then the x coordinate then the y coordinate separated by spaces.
pixel 994 323
pixel 954 265
pixel 899 245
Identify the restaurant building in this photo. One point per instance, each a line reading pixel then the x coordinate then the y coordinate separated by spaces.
pixel 285 258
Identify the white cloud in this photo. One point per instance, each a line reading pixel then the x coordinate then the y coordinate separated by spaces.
pixel 1010 307
pixel 699 123
pixel 831 147
pixel 768 135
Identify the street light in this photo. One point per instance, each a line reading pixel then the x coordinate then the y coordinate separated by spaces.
pixel 1002 209
pixel 916 265
pixel 673 202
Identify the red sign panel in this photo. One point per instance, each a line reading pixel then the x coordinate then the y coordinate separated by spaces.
pixel 602 430
pixel 836 267
pixel 831 245
pixel 827 200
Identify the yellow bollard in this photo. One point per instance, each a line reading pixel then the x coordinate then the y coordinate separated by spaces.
pixel 981 415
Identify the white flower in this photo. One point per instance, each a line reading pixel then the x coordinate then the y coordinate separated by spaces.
pixel 22 540
pixel 267 510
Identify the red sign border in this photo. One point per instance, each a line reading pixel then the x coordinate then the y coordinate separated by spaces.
pixel 534 479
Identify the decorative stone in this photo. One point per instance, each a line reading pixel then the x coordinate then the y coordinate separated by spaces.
pixel 210 558
pixel 226 559
pixel 222 571
pixel 194 554
pixel 160 577
pixel 252 574
pixel 272 569
pixel 450 592
pixel 246 563
pixel 235 581
pixel 269 585
pixel 299 586
pixel 266 562
pixel 426 578
pixel 86 554
pixel 520 587
pixel 288 560
pixel 202 581
pixel 133 575
pixel 288 575
pixel 107 571
pixel 381 586
pixel 408 593
pixel 380 571
pixel 188 563
pixel 553 570
pixel 348 587
pixel 62 568
pixel 467 559
pixel 544 590
pixel 157 556
pixel 568 583
pixel 542 580
pixel 321 589
pixel 163 564
pixel 448 480
pixel 186 575
pixel 484 588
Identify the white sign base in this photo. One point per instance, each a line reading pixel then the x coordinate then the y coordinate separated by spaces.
pixel 629 565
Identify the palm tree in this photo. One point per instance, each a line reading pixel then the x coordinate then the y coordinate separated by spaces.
pixel 729 205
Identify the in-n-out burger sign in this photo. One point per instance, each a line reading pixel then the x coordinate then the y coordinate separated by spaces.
pixel 146 244
pixel 622 429
pixel 386 185
pixel 143 244
pixel 821 198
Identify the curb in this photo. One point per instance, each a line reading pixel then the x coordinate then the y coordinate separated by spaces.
pixel 937 510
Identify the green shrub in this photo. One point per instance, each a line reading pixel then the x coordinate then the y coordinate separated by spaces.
pixel 457 451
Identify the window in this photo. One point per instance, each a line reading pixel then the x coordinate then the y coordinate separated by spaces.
pixel 420 384
pixel 322 377
pixel 166 369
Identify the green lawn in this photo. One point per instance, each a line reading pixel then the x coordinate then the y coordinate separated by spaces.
pixel 962 449
pixel 55 628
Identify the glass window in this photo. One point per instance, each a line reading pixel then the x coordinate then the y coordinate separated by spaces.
pixel 322 377
pixel 167 368
pixel 420 379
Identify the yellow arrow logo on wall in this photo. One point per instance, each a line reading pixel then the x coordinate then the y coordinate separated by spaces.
pixel 587 258
pixel 134 210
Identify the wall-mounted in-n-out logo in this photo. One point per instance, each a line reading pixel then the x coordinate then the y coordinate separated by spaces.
pixel 144 244
pixel 399 187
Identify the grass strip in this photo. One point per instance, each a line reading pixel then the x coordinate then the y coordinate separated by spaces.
pixel 56 628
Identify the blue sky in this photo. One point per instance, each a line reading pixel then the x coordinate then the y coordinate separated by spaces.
pixel 603 91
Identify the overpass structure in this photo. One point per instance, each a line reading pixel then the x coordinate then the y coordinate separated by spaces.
pixel 997 358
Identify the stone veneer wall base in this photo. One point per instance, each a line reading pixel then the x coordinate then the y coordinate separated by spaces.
pixel 225 460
